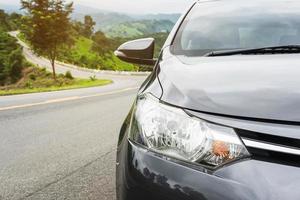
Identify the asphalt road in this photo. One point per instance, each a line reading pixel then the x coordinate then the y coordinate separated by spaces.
pixel 63 150
pixel 61 145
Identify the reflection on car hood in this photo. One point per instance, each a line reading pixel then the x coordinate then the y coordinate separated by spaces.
pixel 258 86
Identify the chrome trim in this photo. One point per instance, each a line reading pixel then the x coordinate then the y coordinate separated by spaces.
pixel 270 147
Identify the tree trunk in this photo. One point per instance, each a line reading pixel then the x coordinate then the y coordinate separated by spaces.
pixel 53 68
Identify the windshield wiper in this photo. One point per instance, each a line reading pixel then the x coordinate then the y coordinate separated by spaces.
pixel 264 50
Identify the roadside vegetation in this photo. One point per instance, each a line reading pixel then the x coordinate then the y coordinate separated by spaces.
pixel 17 76
pixel 47 27
pixel 35 79
pixel 9 22
pixel 11 60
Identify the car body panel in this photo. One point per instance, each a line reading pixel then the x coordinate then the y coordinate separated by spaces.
pixel 148 176
pixel 267 84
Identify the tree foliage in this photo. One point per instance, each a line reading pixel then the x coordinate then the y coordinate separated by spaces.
pixel 15 21
pixel 86 28
pixel 11 59
pixel 4 25
pixel 101 43
pixel 48 26
pixel 9 22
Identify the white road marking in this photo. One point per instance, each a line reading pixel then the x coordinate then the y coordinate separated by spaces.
pixel 52 101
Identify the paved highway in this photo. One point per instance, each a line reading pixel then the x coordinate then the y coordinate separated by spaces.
pixel 61 145
pixel 62 150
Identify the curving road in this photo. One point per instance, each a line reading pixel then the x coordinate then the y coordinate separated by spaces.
pixel 61 145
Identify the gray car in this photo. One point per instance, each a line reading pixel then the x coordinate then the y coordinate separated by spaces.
pixel 219 117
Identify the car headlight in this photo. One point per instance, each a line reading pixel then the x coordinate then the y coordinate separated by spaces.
pixel 172 132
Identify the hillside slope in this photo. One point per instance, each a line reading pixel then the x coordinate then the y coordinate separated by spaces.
pixel 138 28
pixel 83 55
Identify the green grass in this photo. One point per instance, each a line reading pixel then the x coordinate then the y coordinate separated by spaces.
pixel 78 83
pixel 21 36
pixel 35 80
pixel 84 45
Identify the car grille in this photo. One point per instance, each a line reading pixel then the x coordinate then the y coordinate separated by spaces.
pixel 271 148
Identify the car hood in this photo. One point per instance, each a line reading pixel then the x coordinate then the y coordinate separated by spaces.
pixel 258 86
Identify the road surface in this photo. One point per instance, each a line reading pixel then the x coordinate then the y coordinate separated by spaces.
pixel 61 145
pixel 62 150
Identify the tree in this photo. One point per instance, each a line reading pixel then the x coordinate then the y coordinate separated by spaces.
pixel 4 25
pixel 78 27
pixel 9 22
pixel 101 43
pixel 88 26
pixel 11 59
pixel 15 20
pixel 85 28
pixel 48 27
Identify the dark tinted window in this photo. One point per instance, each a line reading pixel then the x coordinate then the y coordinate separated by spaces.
pixel 225 25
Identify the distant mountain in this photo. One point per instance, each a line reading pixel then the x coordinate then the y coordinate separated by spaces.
pixel 126 25
pixel 172 17
pixel 138 28
pixel 86 10
pixel 116 24
pixel 104 19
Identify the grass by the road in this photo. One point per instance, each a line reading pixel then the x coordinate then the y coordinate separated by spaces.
pixel 39 80
pixel 78 83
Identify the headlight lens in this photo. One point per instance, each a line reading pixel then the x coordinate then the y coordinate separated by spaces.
pixel 171 132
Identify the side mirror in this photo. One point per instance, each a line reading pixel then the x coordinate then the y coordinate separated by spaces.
pixel 137 51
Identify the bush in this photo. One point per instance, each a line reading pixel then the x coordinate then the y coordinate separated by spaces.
pixel 93 78
pixel 15 65
pixel 48 74
pixel 32 77
pixel 28 84
pixel 69 75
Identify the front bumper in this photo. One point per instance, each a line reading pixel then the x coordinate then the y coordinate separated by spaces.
pixel 144 175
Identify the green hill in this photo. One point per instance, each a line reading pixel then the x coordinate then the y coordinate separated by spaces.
pixel 82 54
pixel 138 28
pixel 173 17
pixel 103 19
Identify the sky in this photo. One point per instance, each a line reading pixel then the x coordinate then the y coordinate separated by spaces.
pixel 130 6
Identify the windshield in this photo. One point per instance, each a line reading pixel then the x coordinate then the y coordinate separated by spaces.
pixel 228 25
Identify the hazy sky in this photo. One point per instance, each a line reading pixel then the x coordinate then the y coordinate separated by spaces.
pixel 131 6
